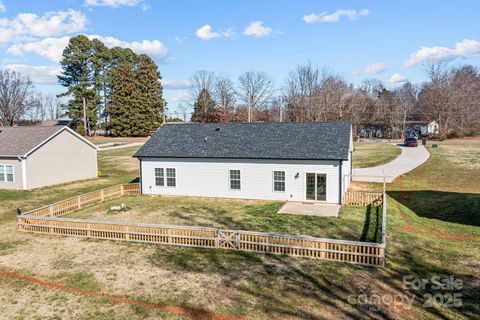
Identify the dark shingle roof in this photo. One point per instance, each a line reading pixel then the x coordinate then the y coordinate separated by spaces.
pixel 274 140
pixel 18 141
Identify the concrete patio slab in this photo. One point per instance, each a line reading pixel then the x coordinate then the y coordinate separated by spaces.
pixel 311 209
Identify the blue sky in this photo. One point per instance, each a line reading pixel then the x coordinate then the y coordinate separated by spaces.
pixel 388 40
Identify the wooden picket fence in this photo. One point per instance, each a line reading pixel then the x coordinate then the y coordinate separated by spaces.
pixel 45 220
pixel 363 199
pixel 85 200
pixel 365 253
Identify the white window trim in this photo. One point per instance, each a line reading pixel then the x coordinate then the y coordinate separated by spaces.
pixel 5 173
pixel 165 183
pixel 284 181
pixel 229 184
pixel 166 177
pixel 305 186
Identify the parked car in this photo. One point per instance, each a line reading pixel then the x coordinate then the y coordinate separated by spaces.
pixel 411 142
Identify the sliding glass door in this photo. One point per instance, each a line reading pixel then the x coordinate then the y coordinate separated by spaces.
pixel 316 186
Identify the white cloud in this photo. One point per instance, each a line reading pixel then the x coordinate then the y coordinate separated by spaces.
pixel 179 39
pixel 350 14
pixel 38 74
pixel 175 84
pixel 26 26
pixel 116 3
pixel 52 48
pixel 397 78
pixel 257 29
pixel 462 49
pixel 205 33
pixel 154 48
pixel 2 7
pixel 180 97
pixel 375 68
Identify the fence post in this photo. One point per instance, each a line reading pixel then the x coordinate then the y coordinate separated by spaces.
pixel 102 195
pixel 79 203
pixel 237 240
pixel 121 190
pixel 51 211
pixel 217 240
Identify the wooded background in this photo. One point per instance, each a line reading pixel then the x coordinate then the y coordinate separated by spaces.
pixel 123 96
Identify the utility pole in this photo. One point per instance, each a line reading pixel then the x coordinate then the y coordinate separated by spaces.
pixel 85 128
pixel 249 110
pixel 281 113
pixel 164 111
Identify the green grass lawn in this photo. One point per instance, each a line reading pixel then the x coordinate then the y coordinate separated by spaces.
pixel 374 154
pixel 439 197
pixel 353 223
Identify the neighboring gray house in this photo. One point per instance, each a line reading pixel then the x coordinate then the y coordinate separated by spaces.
pixel 275 161
pixel 36 156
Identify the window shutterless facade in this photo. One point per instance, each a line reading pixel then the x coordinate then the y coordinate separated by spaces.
pixel 168 175
pixel 6 173
pixel 234 179
pixel 279 181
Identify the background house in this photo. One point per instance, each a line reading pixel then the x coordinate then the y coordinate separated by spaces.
pixel 36 156
pixel 275 161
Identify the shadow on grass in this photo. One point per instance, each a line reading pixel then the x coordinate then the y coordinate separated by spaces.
pixel 462 208
pixel 273 285
pixel 372 227
pixel 288 287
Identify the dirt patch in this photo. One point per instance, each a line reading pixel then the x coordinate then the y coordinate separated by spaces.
pixel 103 295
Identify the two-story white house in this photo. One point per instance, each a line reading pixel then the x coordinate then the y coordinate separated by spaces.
pixel 292 161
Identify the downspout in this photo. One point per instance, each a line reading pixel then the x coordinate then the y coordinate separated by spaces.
pixel 24 171
pixel 351 166
pixel 140 177
pixel 340 195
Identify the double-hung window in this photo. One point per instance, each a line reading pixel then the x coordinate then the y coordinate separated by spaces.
pixel 167 175
pixel 234 177
pixel 279 181
pixel 171 177
pixel 6 173
pixel 159 177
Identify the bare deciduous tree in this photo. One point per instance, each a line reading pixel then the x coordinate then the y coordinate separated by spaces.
pixel 15 93
pixel 201 80
pixel 225 97
pixel 255 91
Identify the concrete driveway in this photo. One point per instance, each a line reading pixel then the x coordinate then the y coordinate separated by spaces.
pixel 409 159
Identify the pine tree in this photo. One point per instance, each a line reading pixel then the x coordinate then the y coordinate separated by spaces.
pixel 101 62
pixel 76 76
pixel 121 108
pixel 204 108
pixel 149 97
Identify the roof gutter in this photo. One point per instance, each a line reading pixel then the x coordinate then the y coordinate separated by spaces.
pixel 244 158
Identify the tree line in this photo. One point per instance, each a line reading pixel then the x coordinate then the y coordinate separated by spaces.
pixel 115 90
pixel 21 103
pixel 450 96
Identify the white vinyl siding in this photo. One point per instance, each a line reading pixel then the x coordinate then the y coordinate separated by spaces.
pixel 279 181
pixel 235 180
pixel 211 178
